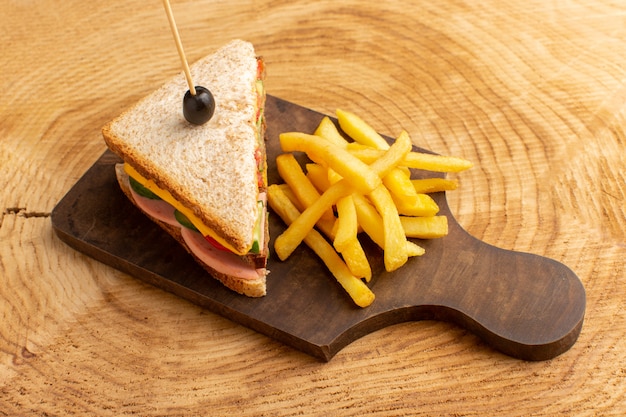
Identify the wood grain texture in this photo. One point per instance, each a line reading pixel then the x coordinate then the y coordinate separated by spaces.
pixel 532 91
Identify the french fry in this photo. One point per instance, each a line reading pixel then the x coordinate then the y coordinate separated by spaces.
pixel 356 289
pixel 424 206
pixel 418 160
pixel 369 154
pixel 295 233
pixel 372 224
pixel 346 241
pixel 286 189
pixel 405 170
pixel 425 227
pixel 347 225
pixel 433 185
pixel 355 147
pixel 359 130
pixel 358 174
pixel 365 154
pixel 400 186
pixel 395 254
pixel 369 183
pixel 328 131
pixel 369 219
pixel 356 260
pixel 413 249
pixel 392 157
pixel 318 175
pixel 436 163
pixel 326 226
pixel 333 176
pixel 291 172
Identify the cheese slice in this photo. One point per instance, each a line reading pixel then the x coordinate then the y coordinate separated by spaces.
pixel 167 197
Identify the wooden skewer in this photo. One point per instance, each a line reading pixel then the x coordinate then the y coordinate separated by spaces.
pixel 179 46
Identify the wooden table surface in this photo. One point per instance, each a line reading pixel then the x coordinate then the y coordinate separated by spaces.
pixel 533 92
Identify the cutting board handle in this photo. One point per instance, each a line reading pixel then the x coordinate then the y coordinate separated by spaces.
pixel 527 306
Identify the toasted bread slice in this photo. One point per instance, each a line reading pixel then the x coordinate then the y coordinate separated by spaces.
pixel 209 168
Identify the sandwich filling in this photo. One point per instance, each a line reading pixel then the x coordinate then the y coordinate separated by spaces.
pixel 204 247
pixel 201 240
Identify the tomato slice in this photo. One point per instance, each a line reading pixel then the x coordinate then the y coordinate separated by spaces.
pixel 260 68
pixel 215 243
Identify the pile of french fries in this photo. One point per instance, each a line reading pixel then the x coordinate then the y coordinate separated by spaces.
pixel 362 185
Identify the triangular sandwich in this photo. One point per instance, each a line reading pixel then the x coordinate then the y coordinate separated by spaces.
pixel 204 184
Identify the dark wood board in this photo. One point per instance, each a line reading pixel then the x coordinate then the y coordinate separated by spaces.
pixel 524 305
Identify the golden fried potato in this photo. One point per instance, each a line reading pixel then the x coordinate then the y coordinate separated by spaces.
pixel 356 289
pixel 368 182
pixel 418 160
pixel 359 130
pixel 291 172
pixel 295 233
pixel 395 254
pixel 363 178
pixel 425 227
pixel 391 158
pixel 400 186
pixel 414 249
pixel 356 260
pixel 286 189
pixel 433 185
pixel 326 226
pixel 424 206
pixel 318 175
pixel 346 225
pixel 436 163
pixel 369 219
pixel 372 224
pixel 333 176
pixel 328 131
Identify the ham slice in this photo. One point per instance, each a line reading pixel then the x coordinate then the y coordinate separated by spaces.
pixel 222 261
pixel 159 209
pixel 225 262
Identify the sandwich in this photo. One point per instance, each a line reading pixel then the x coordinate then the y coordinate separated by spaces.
pixel 204 184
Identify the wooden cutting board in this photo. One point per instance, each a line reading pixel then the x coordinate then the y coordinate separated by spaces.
pixel 526 306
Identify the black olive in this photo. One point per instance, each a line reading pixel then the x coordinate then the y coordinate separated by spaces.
pixel 199 108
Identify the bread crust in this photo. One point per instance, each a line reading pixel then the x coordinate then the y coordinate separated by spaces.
pixel 251 288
